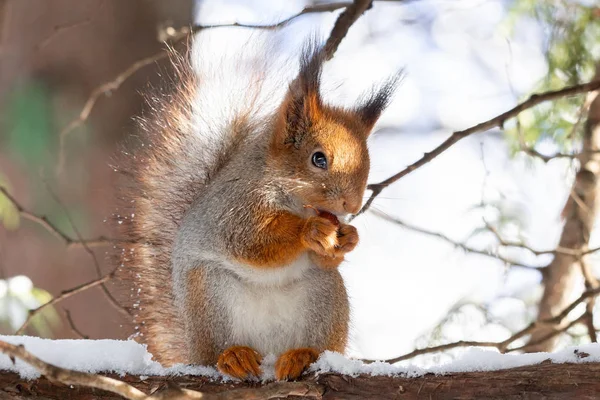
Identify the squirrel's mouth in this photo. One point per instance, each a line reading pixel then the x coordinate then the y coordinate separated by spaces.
pixel 332 216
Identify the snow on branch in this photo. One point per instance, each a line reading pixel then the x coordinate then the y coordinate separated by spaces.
pixel 557 325
pixel 83 369
pixel 65 376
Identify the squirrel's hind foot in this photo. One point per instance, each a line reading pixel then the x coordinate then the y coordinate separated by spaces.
pixel 293 363
pixel 240 362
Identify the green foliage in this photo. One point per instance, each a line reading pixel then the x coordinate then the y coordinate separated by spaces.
pixel 9 215
pixel 29 119
pixel 572 51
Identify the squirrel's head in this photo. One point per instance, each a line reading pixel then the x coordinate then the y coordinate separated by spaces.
pixel 320 151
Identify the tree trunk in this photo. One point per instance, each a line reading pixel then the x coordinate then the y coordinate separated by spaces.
pixel 542 381
pixel 579 215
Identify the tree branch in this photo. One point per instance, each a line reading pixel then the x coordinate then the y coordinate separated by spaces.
pixel 546 380
pixel 345 20
pixel 343 24
pixel 65 294
pixel 116 305
pixel 102 90
pixel 44 222
pixel 72 325
pixel 70 377
pixel 498 121
pixel 503 346
pixel 179 34
pixel 446 239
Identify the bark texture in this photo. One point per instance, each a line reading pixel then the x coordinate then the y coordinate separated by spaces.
pixel 542 381
pixel 579 215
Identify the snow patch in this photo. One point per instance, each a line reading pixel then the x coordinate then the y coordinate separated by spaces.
pixel 128 357
pixel 115 356
pixel 471 360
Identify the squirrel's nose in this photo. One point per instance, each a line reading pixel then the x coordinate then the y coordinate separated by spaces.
pixel 352 206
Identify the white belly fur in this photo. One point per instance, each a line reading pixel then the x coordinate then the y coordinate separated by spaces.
pixel 268 316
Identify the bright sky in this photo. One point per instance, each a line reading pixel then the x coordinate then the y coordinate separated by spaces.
pixel 462 66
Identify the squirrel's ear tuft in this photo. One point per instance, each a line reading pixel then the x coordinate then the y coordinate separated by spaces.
pixel 303 102
pixel 377 100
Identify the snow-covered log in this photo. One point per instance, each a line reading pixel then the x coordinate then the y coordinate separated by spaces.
pixel 542 381
pixel 110 369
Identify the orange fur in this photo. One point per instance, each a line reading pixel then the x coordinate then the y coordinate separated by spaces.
pixel 240 362
pixel 347 239
pixel 293 363
pixel 283 236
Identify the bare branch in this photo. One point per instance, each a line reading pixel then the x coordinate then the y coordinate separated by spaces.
pixel 50 227
pixel 58 29
pixel 343 24
pixel 503 346
pixel 345 20
pixel 498 121
pixel 534 153
pixel 102 90
pixel 107 293
pixel 179 34
pixel 72 325
pixel 519 245
pixel 446 239
pixel 65 294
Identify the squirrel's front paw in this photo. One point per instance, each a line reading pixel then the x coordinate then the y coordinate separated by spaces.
pixel 347 238
pixel 321 236
pixel 240 362
pixel 293 363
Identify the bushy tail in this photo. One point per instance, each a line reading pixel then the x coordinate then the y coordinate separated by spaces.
pixel 184 140
pixel 156 190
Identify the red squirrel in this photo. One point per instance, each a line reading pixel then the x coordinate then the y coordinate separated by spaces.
pixel 237 223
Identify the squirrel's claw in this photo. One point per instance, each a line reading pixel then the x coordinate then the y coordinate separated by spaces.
pixel 240 362
pixel 293 363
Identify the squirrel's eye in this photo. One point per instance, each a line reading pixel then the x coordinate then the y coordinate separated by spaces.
pixel 319 160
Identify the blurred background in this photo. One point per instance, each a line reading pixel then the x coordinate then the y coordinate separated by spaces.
pixel 456 250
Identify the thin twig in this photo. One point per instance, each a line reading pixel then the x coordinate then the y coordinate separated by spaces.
pixel 548 336
pixel 558 250
pixel 72 325
pixel 590 282
pixel 507 243
pixel 88 250
pixel 65 294
pixel 50 227
pixel 534 153
pixel 343 24
pixel 346 19
pixel 445 238
pixel 503 346
pixel 58 29
pixel 182 33
pixel 498 121
pixel 103 90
